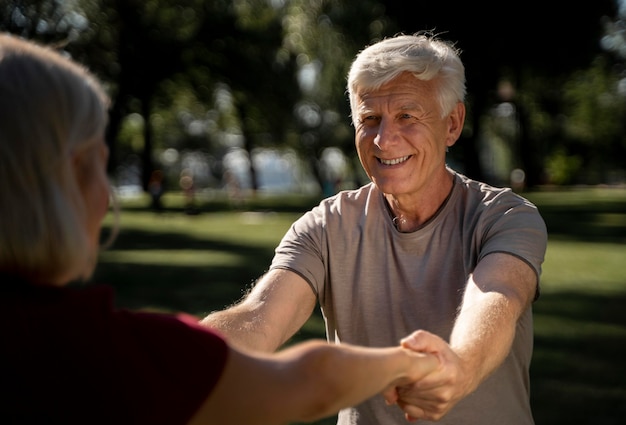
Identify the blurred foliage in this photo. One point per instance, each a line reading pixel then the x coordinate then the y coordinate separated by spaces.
pixel 213 75
pixel 562 168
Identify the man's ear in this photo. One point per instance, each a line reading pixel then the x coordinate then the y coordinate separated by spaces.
pixel 456 121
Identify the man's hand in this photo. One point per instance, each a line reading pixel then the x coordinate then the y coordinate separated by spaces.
pixel 433 396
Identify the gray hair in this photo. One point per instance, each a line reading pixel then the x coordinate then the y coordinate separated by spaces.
pixel 50 107
pixel 422 54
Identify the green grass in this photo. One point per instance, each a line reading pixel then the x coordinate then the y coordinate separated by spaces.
pixel 198 263
pixel 578 373
pixel 172 261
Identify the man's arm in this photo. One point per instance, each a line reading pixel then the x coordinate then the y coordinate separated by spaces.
pixel 271 313
pixel 501 288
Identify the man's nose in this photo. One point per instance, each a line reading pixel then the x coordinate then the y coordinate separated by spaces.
pixel 386 134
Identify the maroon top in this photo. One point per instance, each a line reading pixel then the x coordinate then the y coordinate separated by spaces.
pixel 68 357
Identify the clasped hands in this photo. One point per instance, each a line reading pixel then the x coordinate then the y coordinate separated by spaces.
pixel 432 396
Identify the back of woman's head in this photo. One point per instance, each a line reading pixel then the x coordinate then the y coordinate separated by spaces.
pixel 423 55
pixel 50 107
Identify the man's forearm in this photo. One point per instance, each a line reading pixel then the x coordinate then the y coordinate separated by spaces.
pixel 483 335
pixel 242 330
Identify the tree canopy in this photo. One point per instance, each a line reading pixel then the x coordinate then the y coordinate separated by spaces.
pixel 204 75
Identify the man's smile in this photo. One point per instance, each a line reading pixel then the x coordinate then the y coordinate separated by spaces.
pixel 393 161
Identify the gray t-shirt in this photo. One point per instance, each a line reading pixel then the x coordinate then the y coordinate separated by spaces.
pixel 376 285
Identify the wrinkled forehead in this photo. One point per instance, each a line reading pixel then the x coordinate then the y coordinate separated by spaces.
pixel 405 89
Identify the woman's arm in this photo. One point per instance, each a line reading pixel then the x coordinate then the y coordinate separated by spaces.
pixel 306 382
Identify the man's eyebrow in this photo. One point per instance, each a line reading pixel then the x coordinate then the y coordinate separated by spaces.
pixel 412 106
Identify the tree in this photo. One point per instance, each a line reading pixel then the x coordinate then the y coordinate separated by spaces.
pixel 163 46
pixel 325 36
pixel 245 53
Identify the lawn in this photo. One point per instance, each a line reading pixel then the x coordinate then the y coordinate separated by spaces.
pixel 172 261
pixel 578 373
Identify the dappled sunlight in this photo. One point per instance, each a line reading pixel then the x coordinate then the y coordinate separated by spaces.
pixel 177 257
pixel 592 268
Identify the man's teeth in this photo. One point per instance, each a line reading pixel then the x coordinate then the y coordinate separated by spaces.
pixel 394 161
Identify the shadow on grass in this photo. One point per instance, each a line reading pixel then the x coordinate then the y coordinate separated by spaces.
pixel 588 224
pixel 136 239
pixel 195 289
pixel 582 217
pixel 578 372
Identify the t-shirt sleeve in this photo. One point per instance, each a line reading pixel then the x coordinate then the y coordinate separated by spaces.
pixel 515 226
pixel 301 249
pixel 170 365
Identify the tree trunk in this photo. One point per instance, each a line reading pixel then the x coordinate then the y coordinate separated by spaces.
pixel 147 165
pixel 248 146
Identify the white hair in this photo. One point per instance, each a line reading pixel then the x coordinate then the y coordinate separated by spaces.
pixel 423 55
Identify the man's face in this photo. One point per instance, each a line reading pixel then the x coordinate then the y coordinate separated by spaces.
pixel 401 138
